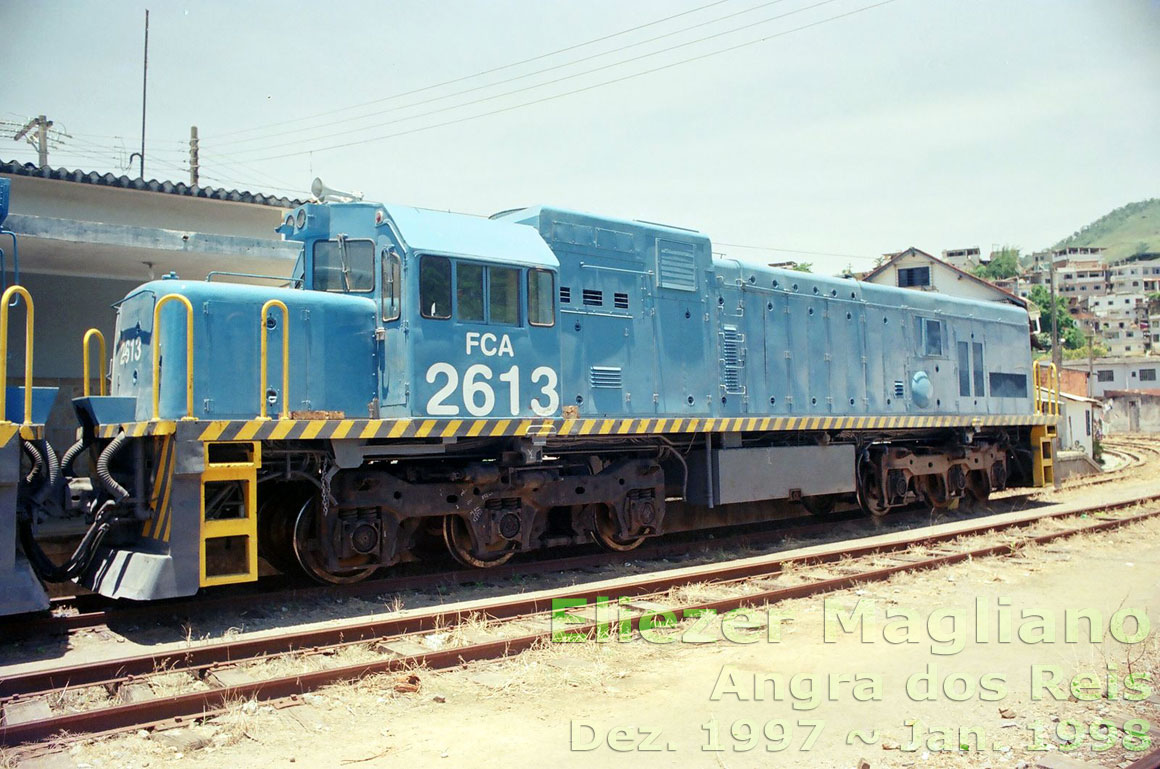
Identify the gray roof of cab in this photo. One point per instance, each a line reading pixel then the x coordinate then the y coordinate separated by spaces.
pixel 15 168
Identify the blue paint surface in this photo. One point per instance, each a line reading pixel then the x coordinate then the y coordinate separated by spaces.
pixel 644 322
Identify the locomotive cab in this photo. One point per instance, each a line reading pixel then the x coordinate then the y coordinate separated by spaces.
pixel 465 307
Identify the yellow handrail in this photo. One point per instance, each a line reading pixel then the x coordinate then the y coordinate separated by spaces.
pixel 285 413
pixel 102 385
pixel 1049 404
pixel 5 301
pixel 188 354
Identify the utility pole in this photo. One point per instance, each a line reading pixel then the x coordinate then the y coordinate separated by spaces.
pixel 1091 357
pixel 1056 353
pixel 41 124
pixel 193 156
pixel 144 93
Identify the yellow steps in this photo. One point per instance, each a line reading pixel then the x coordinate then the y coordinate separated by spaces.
pixel 229 545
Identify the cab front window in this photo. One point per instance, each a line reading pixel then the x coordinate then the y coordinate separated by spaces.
pixel 344 265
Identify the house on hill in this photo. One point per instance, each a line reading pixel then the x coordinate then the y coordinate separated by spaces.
pixel 916 269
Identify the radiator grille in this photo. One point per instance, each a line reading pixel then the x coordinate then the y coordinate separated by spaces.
pixel 605 377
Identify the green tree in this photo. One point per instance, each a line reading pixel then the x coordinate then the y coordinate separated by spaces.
pixel 1072 336
pixel 1074 339
pixel 803 266
pixel 1004 264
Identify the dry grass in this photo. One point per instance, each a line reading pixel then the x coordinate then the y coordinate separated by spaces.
pixel 242 720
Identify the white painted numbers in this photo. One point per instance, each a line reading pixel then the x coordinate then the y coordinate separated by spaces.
pixel 475 387
pixel 130 351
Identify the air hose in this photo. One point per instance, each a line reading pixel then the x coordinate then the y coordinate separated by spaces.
pixel 37 461
pixel 103 521
pixel 116 490
pixel 71 455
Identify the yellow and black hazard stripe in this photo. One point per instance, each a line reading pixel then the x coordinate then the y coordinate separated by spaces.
pixel 159 525
pixel 9 430
pixel 335 429
pixel 401 429
pixel 137 429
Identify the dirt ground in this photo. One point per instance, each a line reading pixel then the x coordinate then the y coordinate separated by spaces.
pixel 971 669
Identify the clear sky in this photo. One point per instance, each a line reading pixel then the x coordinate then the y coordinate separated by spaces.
pixel 933 123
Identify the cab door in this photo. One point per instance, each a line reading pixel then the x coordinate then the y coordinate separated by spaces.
pixel 391 330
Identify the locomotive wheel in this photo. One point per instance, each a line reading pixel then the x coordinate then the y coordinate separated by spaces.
pixel 459 543
pixel 869 492
pixel 605 532
pixel 933 489
pixel 978 486
pixel 311 558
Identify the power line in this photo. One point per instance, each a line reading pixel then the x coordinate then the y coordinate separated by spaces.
pixel 527 75
pixel 221 179
pixel 796 251
pixel 264 178
pixel 481 73
pixel 579 90
pixel 573 76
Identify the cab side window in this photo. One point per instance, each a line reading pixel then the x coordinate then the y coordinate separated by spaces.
pixel 487 294
pixel 541 294
pixel 469 292
pixel 435 287
pixel 392 286
pixel 503 295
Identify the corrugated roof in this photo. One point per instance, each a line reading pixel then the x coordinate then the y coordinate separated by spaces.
pixel 152 185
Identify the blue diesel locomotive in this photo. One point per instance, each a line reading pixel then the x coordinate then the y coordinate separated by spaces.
pixel 499 385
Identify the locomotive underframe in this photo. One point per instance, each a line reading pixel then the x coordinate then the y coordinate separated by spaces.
pixel 199 512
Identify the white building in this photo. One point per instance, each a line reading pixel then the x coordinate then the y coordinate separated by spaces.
pixel 1136 277
pixel 916 269
pixel 1119 373
pixel 965 258
pixel 1081 278
pixel 1116 304
pixel 1076 424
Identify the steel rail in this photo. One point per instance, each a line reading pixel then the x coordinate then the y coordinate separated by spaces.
pixel 105 610
pixel 109 672
pixel 188 705
pixel 96 610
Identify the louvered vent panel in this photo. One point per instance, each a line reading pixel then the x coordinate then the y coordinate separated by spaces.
pixel 605 377
pixel 899 388
pixel 732 360
pixel 593 298
pixel 676 265
pixel 565 295
pixel 620 301
pixel 731 346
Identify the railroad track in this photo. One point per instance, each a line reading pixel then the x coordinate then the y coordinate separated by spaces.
pixel 76 612
pixel 1136 452
pixel 70 613
pixel 127 693
pixel 86 611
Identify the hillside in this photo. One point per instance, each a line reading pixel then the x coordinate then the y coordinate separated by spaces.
pixel 1128 230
